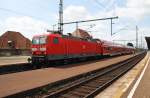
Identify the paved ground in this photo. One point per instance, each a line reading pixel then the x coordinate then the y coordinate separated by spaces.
pixel 16 82
pixel 143 89
pixel 13 60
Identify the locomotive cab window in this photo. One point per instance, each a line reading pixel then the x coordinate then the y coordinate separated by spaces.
pixel 35 41
pixel 39 40
pixel 55 40
pixel 43 40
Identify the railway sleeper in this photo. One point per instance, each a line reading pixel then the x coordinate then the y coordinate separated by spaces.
pixel 104 79
pixel 93 83
pixel 100 80
pixel 86 87
pixel 82 90
pixel 96 85
pixel 89 85
pixel 68 95
pixel 76 93
pixel 114 75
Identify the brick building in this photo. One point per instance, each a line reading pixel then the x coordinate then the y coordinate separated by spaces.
pixel 16 39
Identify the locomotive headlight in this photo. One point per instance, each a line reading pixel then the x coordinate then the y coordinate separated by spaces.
pixel 42 49
pixel 34 49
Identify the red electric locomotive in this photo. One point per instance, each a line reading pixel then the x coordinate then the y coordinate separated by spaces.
pixel 58 47
pixel 51 47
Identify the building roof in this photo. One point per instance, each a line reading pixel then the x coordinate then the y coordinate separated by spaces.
pixel 81 33
pixel 148 42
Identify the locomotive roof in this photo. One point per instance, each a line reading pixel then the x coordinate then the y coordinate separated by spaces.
pixel 65 36
pixel 109 43
pixel 57 35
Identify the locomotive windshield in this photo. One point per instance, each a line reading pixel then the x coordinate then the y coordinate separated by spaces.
pixel 35 41
pixel 39 40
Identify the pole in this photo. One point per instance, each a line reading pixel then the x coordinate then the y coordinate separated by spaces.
pixel 76 25
pixel 60 24
pixel 111 27
pixel 141 42
pixel 136 36
pixel 54 27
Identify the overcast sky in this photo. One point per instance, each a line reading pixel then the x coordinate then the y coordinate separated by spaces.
pixel 32 17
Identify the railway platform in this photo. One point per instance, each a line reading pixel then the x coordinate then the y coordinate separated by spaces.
pixel 22 81
pixel 141 88
pixel 4 61
pixel 134 84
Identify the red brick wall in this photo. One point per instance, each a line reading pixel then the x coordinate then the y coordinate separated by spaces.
pixel 20 42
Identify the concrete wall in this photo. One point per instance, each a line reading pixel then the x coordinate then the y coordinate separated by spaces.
pixel 11 52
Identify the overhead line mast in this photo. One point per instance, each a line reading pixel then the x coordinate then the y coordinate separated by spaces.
pixel 60 23
pixel 136 36
pixel 82 21
pixel 91 20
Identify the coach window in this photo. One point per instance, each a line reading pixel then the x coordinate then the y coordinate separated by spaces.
pixel 109 48
pixel 56 41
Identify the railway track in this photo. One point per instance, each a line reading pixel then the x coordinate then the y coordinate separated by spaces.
pixel 14 68
pixel 86 85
